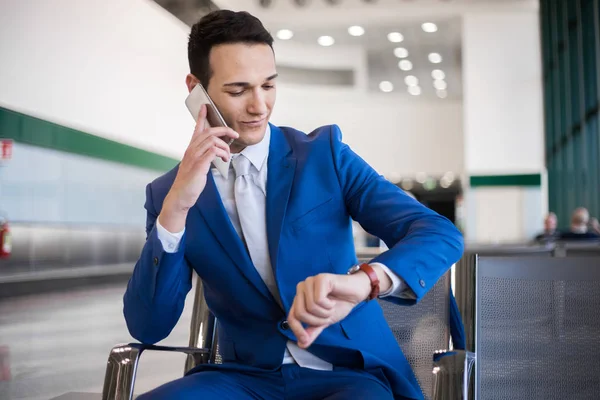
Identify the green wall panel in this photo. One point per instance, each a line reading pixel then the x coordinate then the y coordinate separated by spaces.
pixel 506 180
pixel 34 131
pixel 570 33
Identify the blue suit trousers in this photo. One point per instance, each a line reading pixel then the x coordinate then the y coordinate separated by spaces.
pixel 290 382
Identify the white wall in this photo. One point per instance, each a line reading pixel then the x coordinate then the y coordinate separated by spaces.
pixel 393 134
pixel 502 73
pixel 115 68
pixel 503 123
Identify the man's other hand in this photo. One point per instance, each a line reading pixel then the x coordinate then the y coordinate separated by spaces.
pixel 323 300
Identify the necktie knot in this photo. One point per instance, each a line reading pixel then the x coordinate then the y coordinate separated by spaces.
pixel 241 165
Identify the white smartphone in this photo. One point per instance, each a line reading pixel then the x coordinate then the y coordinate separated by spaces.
pixel 194 101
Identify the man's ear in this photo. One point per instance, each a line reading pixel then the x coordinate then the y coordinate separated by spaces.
pixel 191 81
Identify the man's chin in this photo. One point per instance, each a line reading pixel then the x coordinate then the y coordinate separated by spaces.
pixel 252 134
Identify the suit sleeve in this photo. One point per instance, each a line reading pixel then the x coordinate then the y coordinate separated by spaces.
pixel 422 244
pixel 156 291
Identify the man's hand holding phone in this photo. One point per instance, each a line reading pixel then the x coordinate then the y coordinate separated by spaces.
pixel 206 144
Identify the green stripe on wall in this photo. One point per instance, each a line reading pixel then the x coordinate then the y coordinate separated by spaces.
pixel 506 180
pixel 37 132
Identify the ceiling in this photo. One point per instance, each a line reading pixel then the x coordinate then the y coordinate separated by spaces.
pixel 314 18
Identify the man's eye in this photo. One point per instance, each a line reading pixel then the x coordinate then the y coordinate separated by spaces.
pixel 236 94
pixel 268 87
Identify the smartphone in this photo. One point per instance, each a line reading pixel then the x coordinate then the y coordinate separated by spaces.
pixel 194 101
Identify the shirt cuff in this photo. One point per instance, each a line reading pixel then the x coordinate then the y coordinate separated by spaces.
pixel 170 241
pixel 399 287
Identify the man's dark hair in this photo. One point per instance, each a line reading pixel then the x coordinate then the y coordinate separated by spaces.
pixel 222 27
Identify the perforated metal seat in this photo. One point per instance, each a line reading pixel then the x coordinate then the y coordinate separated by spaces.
pixel 421 331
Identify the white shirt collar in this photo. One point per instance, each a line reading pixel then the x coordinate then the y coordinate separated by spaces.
pixel 257 153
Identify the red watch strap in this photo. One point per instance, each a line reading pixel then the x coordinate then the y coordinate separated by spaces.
pixel 374 280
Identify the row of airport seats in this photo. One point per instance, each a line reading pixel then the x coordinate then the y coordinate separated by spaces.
pixel 532 315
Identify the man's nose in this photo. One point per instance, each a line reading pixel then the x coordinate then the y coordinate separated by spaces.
pixel 257 105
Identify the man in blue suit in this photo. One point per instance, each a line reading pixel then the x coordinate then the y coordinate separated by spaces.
pixel 266 223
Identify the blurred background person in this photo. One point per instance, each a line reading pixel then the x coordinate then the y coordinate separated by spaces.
pixel 550 233
pixel 580 223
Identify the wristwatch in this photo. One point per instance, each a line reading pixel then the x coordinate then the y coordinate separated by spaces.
pixel 372 276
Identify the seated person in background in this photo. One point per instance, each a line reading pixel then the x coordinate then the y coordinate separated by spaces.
pixel 580 221
pixel 595 226
pixel 550 233
pixel 266 224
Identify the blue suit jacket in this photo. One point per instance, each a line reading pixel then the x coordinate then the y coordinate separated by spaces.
pixel 315 185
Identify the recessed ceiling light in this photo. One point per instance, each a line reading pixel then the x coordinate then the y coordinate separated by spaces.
pixel 400 52
pixel 429 27
pixel 411 80
pixel 386 86
pixel 442 94
pixel 395 37
pixel 440 84
pixel 326 41
pixel 285 34
pixel 435 58
pixel 356 30
pixel 438 74
pixel 405 65
pixel 414 90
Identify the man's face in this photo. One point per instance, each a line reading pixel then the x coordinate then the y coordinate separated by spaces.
pixel 550 223
pixel 242 86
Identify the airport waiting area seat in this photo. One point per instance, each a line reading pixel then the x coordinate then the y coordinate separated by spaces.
pixel 531 315
pixel 422 332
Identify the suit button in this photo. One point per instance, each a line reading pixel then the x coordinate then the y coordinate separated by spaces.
pixel 155 260
pixel 422 283
pixel 284 325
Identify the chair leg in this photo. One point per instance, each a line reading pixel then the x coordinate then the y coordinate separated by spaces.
pixel 452 374
pixel 120 372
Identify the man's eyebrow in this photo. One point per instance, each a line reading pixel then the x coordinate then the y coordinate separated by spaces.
pixel 246 84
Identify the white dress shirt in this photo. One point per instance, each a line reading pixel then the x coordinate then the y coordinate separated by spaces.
pixel 224 177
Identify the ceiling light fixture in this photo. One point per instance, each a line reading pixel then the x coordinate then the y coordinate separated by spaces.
pixel 414 90
pixel 405 65
pixel 325 41
pixel 438 74
pixel 386 86
pixel 356 30
pixel 435 58
pixel 440 84
pixel 285 34
pixel 395 37
pixel 442 94
pixel 411 80
pixel 429 27
pixel 400 52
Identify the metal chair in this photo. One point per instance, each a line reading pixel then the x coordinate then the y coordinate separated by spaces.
pixel 421 330
pixel 535 324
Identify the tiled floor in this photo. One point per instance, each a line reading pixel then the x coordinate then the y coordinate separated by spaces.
pixel 59 343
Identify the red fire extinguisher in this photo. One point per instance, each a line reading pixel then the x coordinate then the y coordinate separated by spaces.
pixel 5 239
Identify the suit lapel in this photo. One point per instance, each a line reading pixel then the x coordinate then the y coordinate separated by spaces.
pixel 280 176
pixel 211 207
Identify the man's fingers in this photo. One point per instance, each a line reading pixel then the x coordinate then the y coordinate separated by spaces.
pixel 322 290
pixel 222 132
pixel 311 304
pixel 294 323
pixel 211 141
pixel 313 333
pixel 200 122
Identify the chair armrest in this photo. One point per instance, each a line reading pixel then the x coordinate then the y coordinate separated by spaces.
pixel 451 374
pixel 122 367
